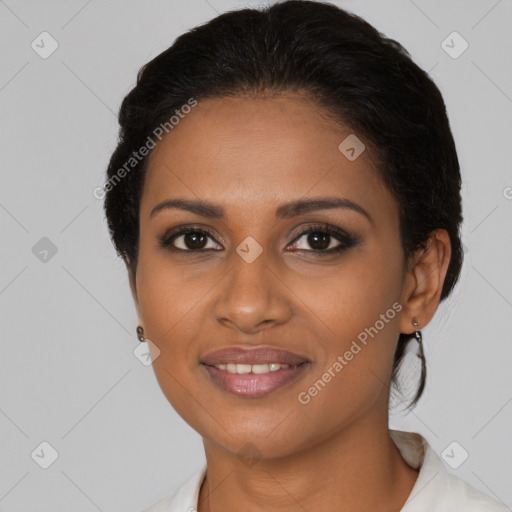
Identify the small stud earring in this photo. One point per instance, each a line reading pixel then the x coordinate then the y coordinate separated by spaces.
pixel 140 333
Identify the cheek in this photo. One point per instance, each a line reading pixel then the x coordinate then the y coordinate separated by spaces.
pixel 172 310
pixel 357 371
pixel 352 297
pixel 166 297
pixel 357 311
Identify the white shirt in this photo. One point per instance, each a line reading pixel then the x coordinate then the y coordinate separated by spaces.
pixel 435 490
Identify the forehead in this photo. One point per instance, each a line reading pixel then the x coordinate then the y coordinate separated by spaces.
pixel 252 154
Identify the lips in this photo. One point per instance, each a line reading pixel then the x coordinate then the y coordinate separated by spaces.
pixel 233 369
pixel 253 355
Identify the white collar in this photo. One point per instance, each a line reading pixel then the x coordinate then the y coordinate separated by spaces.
pixel 435 490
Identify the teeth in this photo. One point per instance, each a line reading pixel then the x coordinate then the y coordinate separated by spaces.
pixel 254 368
pixel 260 368
pixel 243 368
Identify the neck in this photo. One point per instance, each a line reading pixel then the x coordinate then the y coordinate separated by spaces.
pixel 356 469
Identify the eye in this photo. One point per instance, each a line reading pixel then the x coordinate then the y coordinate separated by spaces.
pixel 189 239
pixel 324 240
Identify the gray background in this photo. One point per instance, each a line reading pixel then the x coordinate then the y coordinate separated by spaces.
pixel 68 375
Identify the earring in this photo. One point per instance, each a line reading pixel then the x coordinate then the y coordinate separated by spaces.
pixel 140 333
pixel 419 339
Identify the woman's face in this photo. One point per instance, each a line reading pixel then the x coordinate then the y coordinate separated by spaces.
pixel 331 298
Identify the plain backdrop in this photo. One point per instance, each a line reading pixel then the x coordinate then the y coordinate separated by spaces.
pixel 68 373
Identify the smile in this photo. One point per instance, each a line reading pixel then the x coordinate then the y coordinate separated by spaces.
pixel 243 369
pixel 255 380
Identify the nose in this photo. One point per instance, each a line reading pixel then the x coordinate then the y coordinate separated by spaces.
pixel 252 297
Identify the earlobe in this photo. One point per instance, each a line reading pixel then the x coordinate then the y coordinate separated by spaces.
pixel 424 282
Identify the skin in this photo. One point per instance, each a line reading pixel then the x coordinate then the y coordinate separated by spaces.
pixel 249 155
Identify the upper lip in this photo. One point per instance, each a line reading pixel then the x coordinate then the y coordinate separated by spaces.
pixel 252 355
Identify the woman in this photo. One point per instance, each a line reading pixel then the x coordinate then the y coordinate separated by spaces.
pixel 286 197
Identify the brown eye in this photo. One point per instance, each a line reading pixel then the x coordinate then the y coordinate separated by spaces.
pixel 189 240
pixel 323 240
pixel 192 241
pixel 318 241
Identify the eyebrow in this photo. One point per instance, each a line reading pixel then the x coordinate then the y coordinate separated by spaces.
pixel 284 211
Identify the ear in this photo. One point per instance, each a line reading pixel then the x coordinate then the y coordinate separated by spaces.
pixel 424 281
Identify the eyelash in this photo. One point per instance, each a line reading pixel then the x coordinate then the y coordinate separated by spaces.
pixel 346 240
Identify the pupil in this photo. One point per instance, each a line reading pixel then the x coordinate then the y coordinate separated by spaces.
pixel 313 240
pixel 194 238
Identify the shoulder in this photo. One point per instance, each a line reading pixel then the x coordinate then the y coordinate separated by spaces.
pixel 466 498
pixel 437 489
pixel 184 498
pixel 162 505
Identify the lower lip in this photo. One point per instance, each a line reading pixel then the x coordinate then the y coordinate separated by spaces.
pixel 253 384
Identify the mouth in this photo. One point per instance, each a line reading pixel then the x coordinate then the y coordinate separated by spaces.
pixel 253 372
